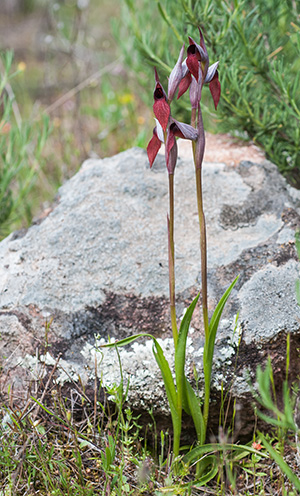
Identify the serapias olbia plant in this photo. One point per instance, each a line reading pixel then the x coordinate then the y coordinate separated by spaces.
pixel 191 73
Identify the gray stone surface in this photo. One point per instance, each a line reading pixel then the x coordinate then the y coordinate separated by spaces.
pixel 97 265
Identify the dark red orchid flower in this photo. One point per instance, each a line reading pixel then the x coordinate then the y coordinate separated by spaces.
pixel 197 66
pixel 175 129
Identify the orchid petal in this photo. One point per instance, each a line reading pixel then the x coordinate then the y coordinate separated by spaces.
pixel 200 143
pixel 159 131
pixel 185 68
pixel 153 147
pixel 171 152
pixel 175 76
pixel 196 90
pixel 215 89
pixel 202 44
pixel 211 72
pixel 202 53
pixel 184 131
pixel 193 64
pixel 162 112
pixel 184 84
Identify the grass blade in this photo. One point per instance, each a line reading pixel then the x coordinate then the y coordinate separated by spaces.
pixel 196 453
pixel 125 341
pixel 281 463
pixel 171 394
pixel 180 352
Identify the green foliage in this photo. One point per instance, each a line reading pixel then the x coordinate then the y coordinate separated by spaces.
pixel 21 146
pixel 258 45
pixel 46 450
pixel 180 394
pixel 282 419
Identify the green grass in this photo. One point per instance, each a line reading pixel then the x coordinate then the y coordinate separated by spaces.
pixel 68 442
pixel 88 101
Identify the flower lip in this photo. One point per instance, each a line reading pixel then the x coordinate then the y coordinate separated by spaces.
pixel 153 147
pixel 215 89
pixel 193 64
pixel 171 152
pixel 184 84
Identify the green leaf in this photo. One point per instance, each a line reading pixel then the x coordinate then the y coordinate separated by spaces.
pixel 168 20
pixel 167 378
pixel 171 394
pixel 180 351
pixel 166 375
pixel 197 453
pixel 281 463
pixel 125 341
pixel 214 321
pixel 194 409
pixel 209 345
pixel 209 461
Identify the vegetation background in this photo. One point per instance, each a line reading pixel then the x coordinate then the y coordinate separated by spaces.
pixel 78 85
pixel 76 80
pixel 66 96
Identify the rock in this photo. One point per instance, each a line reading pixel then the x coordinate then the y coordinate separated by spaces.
pixel 97 265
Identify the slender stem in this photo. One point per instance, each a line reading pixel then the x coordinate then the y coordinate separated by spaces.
pixel 198 152
pixel 172 259
pixel 177 427
pixel 203 250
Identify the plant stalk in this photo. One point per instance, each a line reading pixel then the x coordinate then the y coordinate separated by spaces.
pixel 172 259
pixel 198 152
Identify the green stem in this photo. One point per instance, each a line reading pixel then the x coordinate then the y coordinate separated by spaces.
pixel 172 260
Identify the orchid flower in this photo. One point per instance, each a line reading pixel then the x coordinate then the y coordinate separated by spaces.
pixel 167 128
pixel 175 129
pixel 196 70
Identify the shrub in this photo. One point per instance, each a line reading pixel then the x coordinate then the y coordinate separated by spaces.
pixel 258 43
